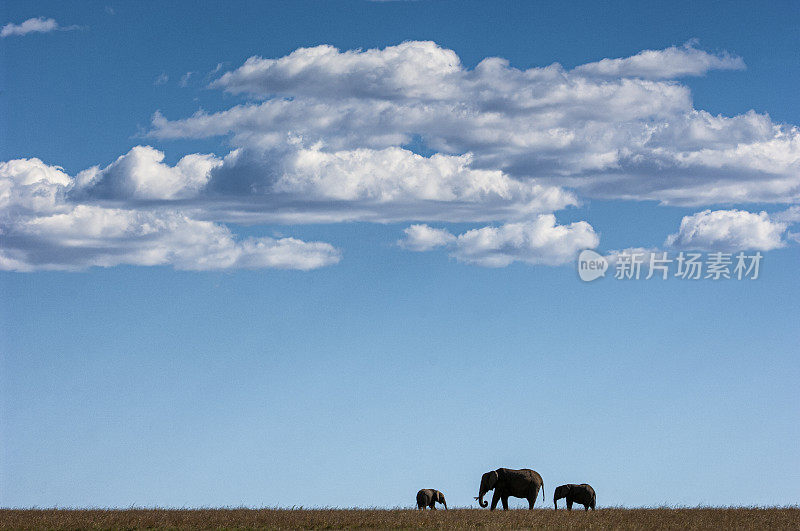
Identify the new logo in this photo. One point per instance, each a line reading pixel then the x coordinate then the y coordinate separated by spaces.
pixel 591 265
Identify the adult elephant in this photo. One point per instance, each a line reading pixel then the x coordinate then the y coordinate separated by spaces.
pixel 524 483
pixel 583 494
pixel 428 498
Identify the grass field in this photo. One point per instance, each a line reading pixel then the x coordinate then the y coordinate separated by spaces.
pixel 701 518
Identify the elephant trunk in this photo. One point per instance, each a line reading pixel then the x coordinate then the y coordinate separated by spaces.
pixel 445 504
pixel 481 501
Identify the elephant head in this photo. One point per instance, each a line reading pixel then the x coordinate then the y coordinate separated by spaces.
pixel 440 499
pixel 488 481
pixel 561 492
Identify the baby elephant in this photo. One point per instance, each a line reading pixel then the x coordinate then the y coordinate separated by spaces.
pixel 583 494
pixel 428 498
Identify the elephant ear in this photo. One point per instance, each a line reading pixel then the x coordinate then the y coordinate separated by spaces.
pixel 440 496
pixel 493 477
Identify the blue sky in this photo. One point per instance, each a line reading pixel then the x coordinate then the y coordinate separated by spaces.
pixel 234 307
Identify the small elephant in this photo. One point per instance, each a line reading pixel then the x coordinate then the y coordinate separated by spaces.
pixel 583 494
pixel 428 498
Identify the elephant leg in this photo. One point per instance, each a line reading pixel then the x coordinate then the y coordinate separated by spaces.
pixel 569 505
pixel 495 499
pixel 532 500
pixel 585 507
pixel 504 499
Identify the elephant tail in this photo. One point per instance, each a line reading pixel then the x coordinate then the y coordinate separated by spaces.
pixel 544 497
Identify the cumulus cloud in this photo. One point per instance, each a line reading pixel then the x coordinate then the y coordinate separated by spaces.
pixel 40 228
pixel 728 230
pixel 408 71
pixel 425 238
pixel 300 184
pixel 95 236
pixel 617 128
pixel 539 241
pixel 33 25
pixel 141 174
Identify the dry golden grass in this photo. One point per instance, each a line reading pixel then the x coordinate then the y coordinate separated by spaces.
pixel 613 518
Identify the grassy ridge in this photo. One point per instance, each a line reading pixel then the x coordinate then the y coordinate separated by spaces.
pixel 701 518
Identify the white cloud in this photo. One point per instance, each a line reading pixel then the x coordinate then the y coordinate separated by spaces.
pixel 141 174
pixel 728 230
pixel 396 184
pixel 540 241
pixel 96 236
pixel 307 185
pixel 789 216
pixel 425 238
pixel 671 63
pixel 395 174
pixel 618 128
pixel 33 25
pixel 41 229
pixel 409 70
pixel 31 186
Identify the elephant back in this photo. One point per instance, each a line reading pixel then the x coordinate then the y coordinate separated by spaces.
pixel 533 475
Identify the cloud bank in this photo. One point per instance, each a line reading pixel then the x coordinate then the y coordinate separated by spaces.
pixel 310 185
pixel 617 128
pixel 41 229
pixel 407 133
